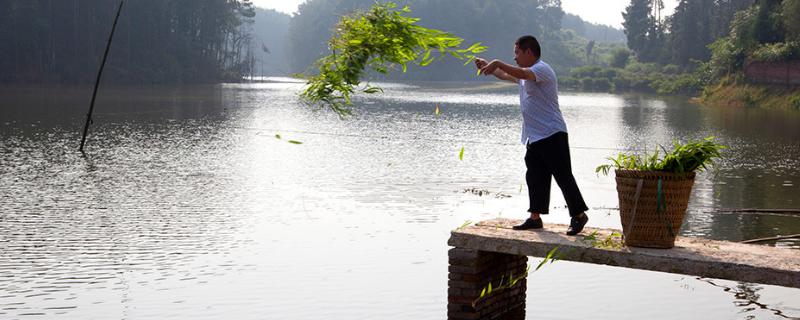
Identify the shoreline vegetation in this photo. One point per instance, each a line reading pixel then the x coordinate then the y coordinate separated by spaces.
pixel 749 96
pixel 737 53
pixel 722 53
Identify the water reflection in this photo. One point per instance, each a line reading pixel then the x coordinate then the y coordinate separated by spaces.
pixel 186 206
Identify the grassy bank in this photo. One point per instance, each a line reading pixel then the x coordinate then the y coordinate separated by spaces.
pixel 728 93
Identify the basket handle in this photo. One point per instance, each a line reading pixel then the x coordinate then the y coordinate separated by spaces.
pixel 635 204
pixel 661 208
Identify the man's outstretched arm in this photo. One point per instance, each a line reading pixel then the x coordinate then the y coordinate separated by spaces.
pixel 499 74
pixel 512 71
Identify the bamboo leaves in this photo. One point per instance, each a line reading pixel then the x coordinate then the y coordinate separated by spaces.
pixel 511 280
pixel 549 257
pixel 379 39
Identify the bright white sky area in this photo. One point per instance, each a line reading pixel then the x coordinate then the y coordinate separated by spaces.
pixel 608 12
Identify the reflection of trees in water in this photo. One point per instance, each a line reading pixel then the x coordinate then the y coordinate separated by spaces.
pixel 747 296
pixel 659 121
pixel 755 122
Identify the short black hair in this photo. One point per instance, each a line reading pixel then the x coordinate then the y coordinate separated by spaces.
pixel 529 42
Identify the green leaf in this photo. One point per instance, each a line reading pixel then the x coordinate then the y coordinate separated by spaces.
pixel 549 256
pixel 277 136
pixel 295 142
pixel 461 154
pixel 483 292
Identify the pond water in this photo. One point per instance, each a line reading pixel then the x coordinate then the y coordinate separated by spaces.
pixel 188 206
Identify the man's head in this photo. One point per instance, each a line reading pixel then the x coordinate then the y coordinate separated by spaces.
pixel 527 51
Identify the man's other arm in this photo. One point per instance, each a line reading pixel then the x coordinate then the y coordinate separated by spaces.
pixel 500 74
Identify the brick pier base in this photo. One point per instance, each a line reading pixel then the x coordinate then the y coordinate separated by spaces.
pixel 471 271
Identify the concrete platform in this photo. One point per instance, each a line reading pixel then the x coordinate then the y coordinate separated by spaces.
pixel 690 256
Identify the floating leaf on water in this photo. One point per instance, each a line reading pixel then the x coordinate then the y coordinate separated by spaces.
pixel 295 142
pixel 461 154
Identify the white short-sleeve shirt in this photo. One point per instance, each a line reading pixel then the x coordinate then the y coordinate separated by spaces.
pixel 541 115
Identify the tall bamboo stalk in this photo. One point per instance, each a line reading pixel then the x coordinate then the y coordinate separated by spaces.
pixel 99 74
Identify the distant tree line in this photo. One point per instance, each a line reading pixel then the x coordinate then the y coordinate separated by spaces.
pixel 156 41
pixel 592 31
pixel 189 41
pixel 270 29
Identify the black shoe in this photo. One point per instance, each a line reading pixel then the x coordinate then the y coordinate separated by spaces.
pixel 576 224
pixel 530 224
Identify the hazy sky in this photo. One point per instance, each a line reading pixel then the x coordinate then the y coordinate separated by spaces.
pixel 606 12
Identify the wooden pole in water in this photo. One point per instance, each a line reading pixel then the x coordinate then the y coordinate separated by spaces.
pixel 99 74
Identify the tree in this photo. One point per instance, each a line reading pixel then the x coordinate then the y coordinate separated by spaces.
pixel 644 29
pixel 791 19
pixel 619 58
pixel 766 28
pixel 691 31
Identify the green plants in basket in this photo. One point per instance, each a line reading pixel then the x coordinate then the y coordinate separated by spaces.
pixel 684 158
pixel 654 189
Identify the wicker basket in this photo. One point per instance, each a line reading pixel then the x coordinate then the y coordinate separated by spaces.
pixel 644 224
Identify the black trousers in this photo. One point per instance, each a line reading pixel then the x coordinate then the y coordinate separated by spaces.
pixel 548 158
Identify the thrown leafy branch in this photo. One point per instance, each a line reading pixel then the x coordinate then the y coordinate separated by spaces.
pixel 380 39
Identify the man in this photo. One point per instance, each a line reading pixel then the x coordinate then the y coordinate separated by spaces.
pixel 544 133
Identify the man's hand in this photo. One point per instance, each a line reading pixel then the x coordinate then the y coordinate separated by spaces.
pixel 480 63
pixel 490 67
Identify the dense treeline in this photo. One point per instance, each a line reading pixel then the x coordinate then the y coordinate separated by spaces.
pixel 682 38
pixel 495 23
pixel 769 30
pixel 592 31
pixel 767 33
pixel 157 41
pixel 270 29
